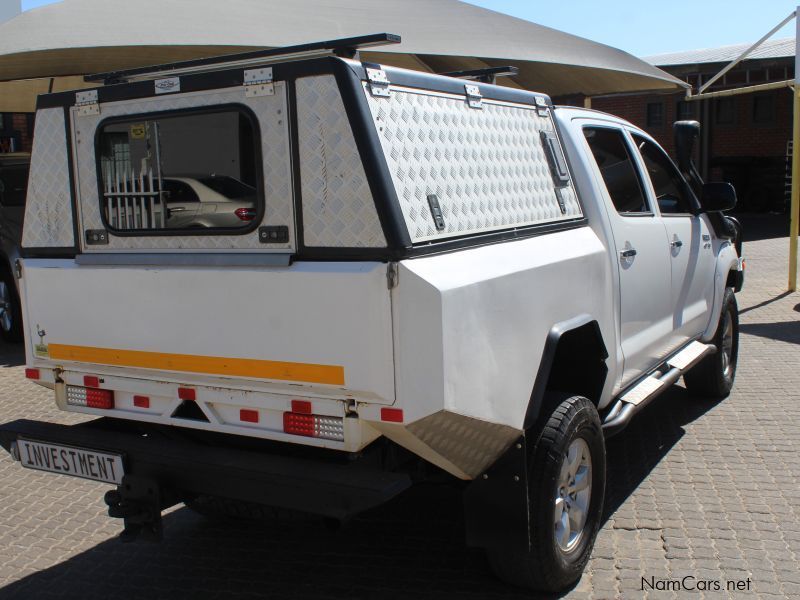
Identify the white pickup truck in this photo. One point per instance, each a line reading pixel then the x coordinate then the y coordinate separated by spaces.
pixel 406 275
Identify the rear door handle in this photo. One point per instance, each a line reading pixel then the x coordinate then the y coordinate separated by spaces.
pixel 676 244
pixel 629 253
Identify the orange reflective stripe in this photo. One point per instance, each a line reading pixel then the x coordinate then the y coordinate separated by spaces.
pixel 212 365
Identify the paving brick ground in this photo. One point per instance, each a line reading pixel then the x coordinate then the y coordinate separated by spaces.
pixel 704 489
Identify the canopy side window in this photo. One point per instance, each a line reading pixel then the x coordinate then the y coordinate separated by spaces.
pixel 179 172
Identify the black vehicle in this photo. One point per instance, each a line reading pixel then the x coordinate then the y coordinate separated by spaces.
pixel 14 169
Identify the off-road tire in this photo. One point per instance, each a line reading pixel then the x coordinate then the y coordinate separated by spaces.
pixel 546 567
pixel 14 332
pixel 710 378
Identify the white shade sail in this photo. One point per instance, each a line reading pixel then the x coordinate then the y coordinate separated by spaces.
pixel 76 37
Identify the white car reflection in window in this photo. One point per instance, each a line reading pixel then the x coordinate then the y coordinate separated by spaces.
pixel 208 201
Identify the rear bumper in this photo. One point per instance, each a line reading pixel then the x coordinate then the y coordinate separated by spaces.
pixel 183 468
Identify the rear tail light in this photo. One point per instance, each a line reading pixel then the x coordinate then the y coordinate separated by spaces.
pixel 32 373
pixel 89 397
pixel 245 214
pixel 316 426
pixel 187 394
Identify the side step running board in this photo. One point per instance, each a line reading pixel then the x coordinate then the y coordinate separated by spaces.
pixel 636 398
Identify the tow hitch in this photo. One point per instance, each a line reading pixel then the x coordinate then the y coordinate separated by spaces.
pixel 139 501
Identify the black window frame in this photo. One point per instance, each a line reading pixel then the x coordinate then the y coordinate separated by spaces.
pixel 260 201
pixel 636 169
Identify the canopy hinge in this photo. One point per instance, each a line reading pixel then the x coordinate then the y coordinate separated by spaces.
pixel 258 82
pixel 86 103
pixel 378 82
pixel 474 96
pixel 542 108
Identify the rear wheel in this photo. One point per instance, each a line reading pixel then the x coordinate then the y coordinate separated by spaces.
pixel 10 311
pixel 713 376
pixel 566 484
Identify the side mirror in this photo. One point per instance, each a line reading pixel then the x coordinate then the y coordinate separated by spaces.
pixel 717 197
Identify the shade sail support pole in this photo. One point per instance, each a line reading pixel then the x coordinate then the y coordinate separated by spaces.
pixel 794 211
pixel 745 54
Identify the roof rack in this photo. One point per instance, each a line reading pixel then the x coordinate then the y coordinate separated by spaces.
pixel 487 75
pixel 347 47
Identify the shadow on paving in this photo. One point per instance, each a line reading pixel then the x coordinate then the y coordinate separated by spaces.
pixel 11 355
pixel 783 331
pixel 763 226
pixel 411 547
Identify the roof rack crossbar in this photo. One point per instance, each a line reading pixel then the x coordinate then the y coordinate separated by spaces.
pixel 343 47
pixel 487 75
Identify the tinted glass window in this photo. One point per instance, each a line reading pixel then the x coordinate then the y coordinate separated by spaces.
pixel 612 155
pixel 725 111
pixel 655 114
pixel 153 167
pixel 672 192
pixel 13 185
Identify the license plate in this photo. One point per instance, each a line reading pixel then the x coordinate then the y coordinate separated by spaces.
pixel 68 460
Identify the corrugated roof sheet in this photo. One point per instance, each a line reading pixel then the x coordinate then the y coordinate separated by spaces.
pixel 782 48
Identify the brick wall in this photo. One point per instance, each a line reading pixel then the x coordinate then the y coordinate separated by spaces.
pixel 20 124
pixel 742 138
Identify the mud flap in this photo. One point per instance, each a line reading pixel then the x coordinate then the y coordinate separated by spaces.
pixel 496 503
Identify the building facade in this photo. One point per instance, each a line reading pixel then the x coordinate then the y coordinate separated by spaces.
pixel 745 138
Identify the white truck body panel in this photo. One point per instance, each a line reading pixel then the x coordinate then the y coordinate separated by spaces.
pixel 341 347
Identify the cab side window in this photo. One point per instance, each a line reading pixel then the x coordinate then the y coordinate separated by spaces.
pixel 672 192
pixel 613 157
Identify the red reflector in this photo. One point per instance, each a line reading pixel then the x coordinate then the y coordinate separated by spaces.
pixel 248 416
pixel 32 373
pixel 141 401
pixel 301 406
pixel 298 424
pixel 91 381
pixel 99 398
pixel 393 415
pixel 187 394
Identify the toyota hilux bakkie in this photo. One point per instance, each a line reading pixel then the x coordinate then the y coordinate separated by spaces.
pixel 433 277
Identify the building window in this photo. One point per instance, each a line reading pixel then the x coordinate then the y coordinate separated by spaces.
pixel 655 114
pixel 763 108
pixel 725 111
pixel 685 111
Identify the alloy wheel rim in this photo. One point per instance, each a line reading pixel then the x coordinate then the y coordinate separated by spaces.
pixel 573 494
pixel 727 345
pixel 5 307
